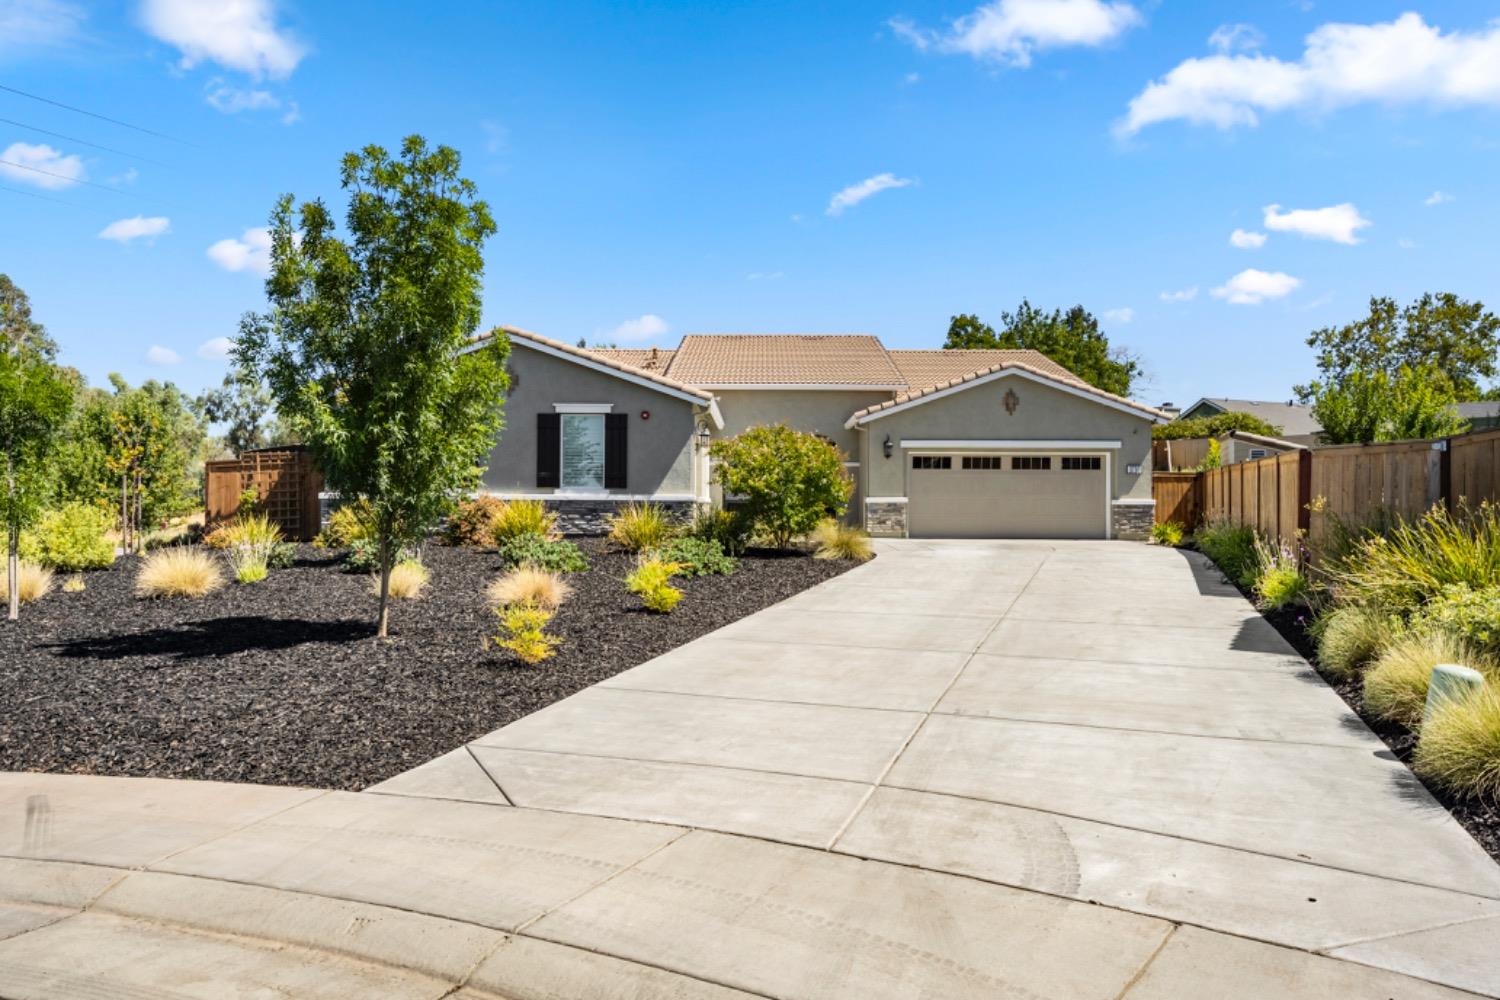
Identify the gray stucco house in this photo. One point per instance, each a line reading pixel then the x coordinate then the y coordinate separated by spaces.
pixel 967 444
pixel 1296 421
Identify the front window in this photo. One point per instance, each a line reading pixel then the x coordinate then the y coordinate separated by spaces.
pixel 583 451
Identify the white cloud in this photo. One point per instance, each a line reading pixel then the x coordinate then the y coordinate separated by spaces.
pixel 1230 37
pixel 40 165
pixel 159 355
pixel 232 100
pixel 215 350
pixel 136 227
pixel 1338 223
pixel 1183 295
pixel 641 328
pixel 911 79
pixel 293 113
pixel 26 24
pixel 856 193
pixel 1124 314
pixel 764 276
pixel 1406 244
pixel 1244 239
pixel 1009 31
pixel 1252 287
pixel 1437 198
pixel 251 252
pixel 236 34
pixel 1405 61
pixel 496 137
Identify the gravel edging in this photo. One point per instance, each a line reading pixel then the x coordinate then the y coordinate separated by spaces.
pixel 283 683
pixel 1480 819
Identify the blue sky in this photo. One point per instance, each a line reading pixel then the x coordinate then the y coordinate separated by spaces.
pixel 665 168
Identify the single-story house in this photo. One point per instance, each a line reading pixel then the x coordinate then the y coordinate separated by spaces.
pixel 938 443
pixel 1481 416
pixel 1295 420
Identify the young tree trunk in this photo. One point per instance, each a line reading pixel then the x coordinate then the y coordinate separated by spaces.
pixel 385 586
pixel 13 568
pixel 125 512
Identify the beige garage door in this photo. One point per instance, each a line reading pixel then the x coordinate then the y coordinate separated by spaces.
pixel 1006 496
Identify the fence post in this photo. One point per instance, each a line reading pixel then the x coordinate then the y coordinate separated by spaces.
pixel 1445 473
pixel 1304 491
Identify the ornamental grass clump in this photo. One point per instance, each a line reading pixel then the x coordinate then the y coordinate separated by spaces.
pixel 1415 561
pixel 250 543
pixel 651 581
pixel 1167 533
pixel 1232 548
pixel 353 522
pixel 74 584
pixel 731 529
pixel 1460 746
pixel 639 527
pixel 517 518
pixel 408 579
pixel 1279 579
pixel 1473 615
pixel 33 583
pixel 1349 636
pixel 836 540
pixel 1395 685
pixel 178 571
pixel 529 584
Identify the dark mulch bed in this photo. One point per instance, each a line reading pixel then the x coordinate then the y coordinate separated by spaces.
pixel 283 682
pixel 1481 819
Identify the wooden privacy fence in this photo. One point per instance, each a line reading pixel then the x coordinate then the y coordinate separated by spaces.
pixel 1281 495
pixel 286 484
pixel 1179 453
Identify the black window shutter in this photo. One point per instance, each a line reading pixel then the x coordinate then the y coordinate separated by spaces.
pixel 614 450
pixel 548 449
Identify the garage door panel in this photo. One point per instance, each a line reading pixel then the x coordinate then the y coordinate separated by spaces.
pixel 1006 503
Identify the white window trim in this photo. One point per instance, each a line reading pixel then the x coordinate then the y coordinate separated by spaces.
pixel 583 407
pixel 562 458
pixel 885 499
pixel 576 495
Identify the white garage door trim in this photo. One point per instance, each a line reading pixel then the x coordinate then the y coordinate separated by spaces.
pixel 959 448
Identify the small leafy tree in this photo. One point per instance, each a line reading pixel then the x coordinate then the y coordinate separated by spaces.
pixel 366 347
pixel 243 404
pixel 1365 406
pixel 790 480
pixel 1073 339
pixel 1215 426
pixel 35 399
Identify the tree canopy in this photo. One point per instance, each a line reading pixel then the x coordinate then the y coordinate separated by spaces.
pixel 1440 335
pixel 1214 426
pixel 35 399
pixel 1073 339
pixel 1374 405
pixel 17 328
pixel 243 404
pixel 366 347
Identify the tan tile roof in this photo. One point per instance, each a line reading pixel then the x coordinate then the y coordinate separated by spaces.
pixel 599 358
pixel 647 358
pixel 1071 381
pixel 920 369
pixel 783 359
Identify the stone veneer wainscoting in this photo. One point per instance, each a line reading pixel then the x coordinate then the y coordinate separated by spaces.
pixel 1131 520
pixel 886 518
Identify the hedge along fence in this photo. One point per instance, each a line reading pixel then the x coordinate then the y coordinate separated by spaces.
pixel 285 480
pixel 1355 482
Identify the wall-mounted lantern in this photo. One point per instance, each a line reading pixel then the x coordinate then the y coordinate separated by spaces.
pixel 705 437
pixel 888 446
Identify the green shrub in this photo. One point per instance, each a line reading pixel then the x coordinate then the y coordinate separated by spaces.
pixel 1350 636
pixel 651 581
pixel 1167 533
pixel 731 529
pixel 1460 746
pixel 71 538
pixel 350 523
pixel 516 518
pixel 1416 560
pixel 364 556
pixel 1396 683
pixel 1232 547
pixel 282 556
pixel 836 540
pixel 1473 615
pixel 523 632
pixel 697 557
pixel 640 527
pixel 1279 580
pixel 550 554
pixel 1215 426
pixel 1213 458
pixel 789 480
pixel 473 523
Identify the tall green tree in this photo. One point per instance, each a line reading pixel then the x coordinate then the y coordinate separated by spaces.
pixel 1073 339
pixel 1437 333
pixel 243 404
pixel 1375 405
pixel 35 399
pixel 17 328
pixel 367 345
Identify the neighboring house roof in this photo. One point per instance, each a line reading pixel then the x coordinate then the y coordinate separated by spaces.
pixel 1070 384
pixel 1479 410
pixel 650 359
pixel 1269 442
pixel 784 359
pixel 1292 418
pixel 920 369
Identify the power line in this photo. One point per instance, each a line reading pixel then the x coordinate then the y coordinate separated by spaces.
pixel 33 194
pixel 81 142
pixel 92 114
pixel 74 180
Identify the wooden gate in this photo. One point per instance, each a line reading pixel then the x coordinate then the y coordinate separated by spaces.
pixel 286 484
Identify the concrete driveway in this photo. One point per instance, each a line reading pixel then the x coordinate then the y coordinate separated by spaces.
pixel 965 769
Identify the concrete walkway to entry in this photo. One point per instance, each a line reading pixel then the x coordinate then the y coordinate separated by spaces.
pixel 965 769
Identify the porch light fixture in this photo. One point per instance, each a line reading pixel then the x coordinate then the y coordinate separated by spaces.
pixel 704 436
pixel 888 446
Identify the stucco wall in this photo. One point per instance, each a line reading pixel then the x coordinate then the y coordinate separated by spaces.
pixel 659 450
pixel 817 410
pixel 1042 414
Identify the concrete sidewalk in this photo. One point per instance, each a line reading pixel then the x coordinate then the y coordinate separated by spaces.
pixel 966 769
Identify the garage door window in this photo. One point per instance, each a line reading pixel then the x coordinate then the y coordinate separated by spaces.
pixel 932 461
pixel 1031 463
pixel 984 463
pixel 1080 463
